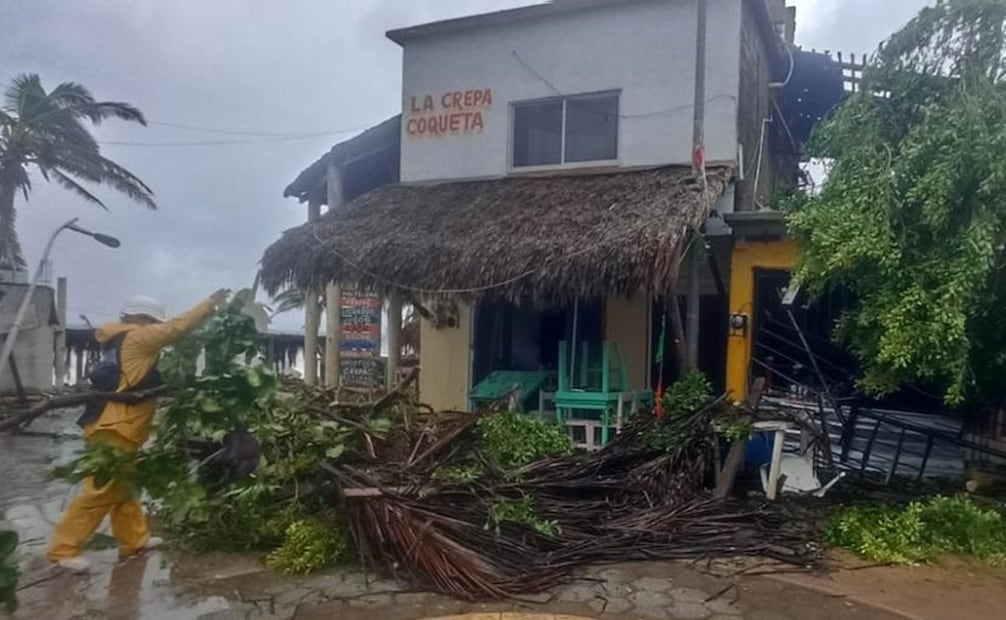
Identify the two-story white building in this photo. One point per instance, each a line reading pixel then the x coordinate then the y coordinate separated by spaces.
pixel 540 191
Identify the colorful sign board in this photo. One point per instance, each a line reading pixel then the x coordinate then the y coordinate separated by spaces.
pixel 360 340
pixel 361 325
pixel 457 112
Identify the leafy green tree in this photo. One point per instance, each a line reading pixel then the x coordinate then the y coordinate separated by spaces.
pixel 46 131
pixel 912 218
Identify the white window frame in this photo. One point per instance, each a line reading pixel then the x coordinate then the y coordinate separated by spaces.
pixel 563 164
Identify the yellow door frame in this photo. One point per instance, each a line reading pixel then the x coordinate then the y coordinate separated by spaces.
pixel 747 256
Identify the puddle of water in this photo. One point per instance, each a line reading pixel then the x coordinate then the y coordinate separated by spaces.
pixel 31 502
pixel 136 589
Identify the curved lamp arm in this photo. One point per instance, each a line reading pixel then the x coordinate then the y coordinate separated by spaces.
pixel 8 345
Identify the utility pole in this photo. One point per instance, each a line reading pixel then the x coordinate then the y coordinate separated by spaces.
pixel 695 249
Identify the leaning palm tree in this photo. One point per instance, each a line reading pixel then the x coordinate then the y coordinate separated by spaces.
pixel 46 131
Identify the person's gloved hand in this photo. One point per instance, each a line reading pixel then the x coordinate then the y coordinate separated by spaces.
pixel 220 297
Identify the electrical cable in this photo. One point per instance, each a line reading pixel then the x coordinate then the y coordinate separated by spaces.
pixel 238 132
pixel 231 142
pixel 626 115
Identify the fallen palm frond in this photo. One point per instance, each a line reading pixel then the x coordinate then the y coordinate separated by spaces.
pixel 638 499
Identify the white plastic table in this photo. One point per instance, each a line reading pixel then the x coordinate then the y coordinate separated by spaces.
pixel 779 427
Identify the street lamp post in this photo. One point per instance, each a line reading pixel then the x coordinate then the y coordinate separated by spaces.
pixel 8 345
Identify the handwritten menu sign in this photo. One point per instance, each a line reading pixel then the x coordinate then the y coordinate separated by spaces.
pixel 364 372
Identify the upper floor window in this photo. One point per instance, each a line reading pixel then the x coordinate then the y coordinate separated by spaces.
pixel 565 130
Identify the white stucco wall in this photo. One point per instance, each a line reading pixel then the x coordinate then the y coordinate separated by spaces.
pixel 644 49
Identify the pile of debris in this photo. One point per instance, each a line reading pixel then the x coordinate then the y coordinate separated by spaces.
pixel 425 495
pixel 639 498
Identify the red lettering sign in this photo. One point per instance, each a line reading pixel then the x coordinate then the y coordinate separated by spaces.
pixel 460 112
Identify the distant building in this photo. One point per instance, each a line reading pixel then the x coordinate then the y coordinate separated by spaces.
pixel 34 351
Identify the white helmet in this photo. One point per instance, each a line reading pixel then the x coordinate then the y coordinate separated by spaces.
pixel 146 307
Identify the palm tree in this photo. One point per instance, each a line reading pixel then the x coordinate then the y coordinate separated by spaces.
pixel 46 130
pixel 290 299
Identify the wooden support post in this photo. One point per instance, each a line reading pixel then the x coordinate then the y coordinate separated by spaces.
pixel 735 457
pixel 312 314
pixel 333 293
pixel 333 329
pixel 394 339
pixel 60 352
pixel 80 365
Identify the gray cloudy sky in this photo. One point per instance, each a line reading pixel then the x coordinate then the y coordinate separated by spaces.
pixel 254 66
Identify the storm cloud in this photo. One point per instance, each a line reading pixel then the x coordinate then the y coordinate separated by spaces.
pixel 254 72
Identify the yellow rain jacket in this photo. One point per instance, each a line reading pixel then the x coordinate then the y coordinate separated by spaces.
pixel 127 428
pixel 138 356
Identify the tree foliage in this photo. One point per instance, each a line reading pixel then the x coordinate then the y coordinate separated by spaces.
pixel 911 219
pixel 46 131
pixel 197 503
pixel 921 531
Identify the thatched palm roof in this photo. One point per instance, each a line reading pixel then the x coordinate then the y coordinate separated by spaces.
pixel 543 239
pixel 381 142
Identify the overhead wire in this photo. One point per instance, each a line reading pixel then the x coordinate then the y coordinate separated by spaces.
pixel 241 132
pixel 625 115
pixel 250 140
pixel 253 137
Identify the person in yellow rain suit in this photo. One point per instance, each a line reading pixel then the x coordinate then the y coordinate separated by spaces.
pixel 142 333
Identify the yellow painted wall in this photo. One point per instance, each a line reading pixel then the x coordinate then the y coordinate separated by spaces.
pixel 627 323
pixel 445 362
pixel 748 256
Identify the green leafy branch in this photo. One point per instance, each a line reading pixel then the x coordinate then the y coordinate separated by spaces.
pixel 512 440
pixel 520 511
pixel 921 531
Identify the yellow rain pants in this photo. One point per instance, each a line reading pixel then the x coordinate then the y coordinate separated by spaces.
pixel 84 515
pixel 126 427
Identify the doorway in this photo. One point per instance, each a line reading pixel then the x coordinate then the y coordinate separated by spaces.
pixel 519 337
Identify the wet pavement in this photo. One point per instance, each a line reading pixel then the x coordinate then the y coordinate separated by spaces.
pixel 175 585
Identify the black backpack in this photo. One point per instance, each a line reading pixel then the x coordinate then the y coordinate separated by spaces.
pixel 106 376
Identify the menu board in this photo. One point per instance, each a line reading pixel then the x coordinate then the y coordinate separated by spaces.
pixel 361 325
pixel 364 372
pixel 360 340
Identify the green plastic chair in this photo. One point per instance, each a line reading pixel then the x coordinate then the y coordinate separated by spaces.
pixel 593 388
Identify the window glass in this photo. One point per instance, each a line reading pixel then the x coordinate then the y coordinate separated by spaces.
pixel 537 136
pixel 591 128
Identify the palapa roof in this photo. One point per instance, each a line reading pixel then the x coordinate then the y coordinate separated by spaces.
pixel 381 143
pixel 546 240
